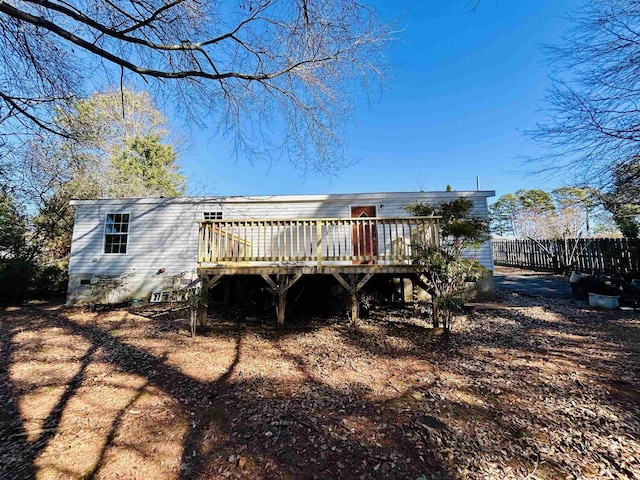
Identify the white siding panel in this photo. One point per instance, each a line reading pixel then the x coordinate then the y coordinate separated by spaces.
pixel 163 236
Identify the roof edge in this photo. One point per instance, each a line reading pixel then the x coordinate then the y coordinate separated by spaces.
pixel 285 198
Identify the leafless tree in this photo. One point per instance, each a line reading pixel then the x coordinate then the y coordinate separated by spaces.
pixel 592 125
pixel 279 76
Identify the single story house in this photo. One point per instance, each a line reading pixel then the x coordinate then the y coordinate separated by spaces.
pixel 127 249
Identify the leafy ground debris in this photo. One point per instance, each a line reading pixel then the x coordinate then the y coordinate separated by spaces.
pixel 527 388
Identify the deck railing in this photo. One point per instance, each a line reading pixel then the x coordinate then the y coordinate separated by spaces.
pixel 316 240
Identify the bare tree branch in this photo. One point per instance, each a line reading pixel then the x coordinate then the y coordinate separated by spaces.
pixel 592 110
pixel 256 67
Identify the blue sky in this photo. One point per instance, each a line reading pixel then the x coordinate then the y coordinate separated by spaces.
pixel 463 87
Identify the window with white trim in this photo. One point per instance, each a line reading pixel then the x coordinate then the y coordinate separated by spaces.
pixel 213 215
pixel 116 233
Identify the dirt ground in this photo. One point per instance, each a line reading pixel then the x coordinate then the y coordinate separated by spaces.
pixel 528 388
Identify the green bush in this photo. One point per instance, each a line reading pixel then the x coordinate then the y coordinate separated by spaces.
pixel 447 267
pixel 21 279
pixel 50 281
pixel 15 279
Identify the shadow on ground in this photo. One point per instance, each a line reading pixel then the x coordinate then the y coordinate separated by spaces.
pixel 525 387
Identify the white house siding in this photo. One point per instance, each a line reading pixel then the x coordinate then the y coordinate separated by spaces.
pixel 161 236
pixel 163 233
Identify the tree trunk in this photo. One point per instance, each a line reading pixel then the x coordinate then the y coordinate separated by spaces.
pixel 436 315
pixel 193 314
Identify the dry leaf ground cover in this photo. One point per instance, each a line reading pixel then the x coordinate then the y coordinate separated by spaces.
pixel 527 389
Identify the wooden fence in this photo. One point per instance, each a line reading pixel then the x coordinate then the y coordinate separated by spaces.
pixel 593 255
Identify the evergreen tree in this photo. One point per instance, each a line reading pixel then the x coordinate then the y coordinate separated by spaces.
pixel 145 166
pixel 16 266
pixel 13 229
pixel 623 199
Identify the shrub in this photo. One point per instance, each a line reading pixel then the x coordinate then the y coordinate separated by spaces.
pixel 446 268
pixel 50 281
pixel 15 279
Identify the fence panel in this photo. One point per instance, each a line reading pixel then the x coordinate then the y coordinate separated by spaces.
pixel 596 255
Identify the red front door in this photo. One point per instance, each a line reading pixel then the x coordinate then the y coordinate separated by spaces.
pixel 364 235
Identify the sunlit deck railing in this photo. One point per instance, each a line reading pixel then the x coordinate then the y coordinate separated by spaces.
pixel 314 241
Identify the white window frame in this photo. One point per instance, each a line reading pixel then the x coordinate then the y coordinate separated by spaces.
pixel 212 214
pixel 121 234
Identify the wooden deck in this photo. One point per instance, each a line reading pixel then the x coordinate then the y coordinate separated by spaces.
pixel 281 251
pixel 315 242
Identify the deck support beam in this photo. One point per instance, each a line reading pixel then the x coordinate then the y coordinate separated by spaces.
pixel 207 282
pixel 280 286
pixel 281 278
pixel 352 286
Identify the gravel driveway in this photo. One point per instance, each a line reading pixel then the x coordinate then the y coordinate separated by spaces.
pixel 528 282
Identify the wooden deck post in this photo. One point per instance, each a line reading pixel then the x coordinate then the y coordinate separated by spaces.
pixel 206 283
pixel 280 308
pixel 202 307
pixel 319 245
pixel 202 302
pixel 422 282
pixel 353 286
pixel 354 309
pixel 280 287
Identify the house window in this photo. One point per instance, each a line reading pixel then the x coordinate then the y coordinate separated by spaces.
pixel 213 215
pixel 116 233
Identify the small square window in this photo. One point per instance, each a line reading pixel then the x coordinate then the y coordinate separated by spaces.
pixel 116 229
pixel 213 215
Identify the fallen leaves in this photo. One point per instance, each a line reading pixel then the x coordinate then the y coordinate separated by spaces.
pixel 528 388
